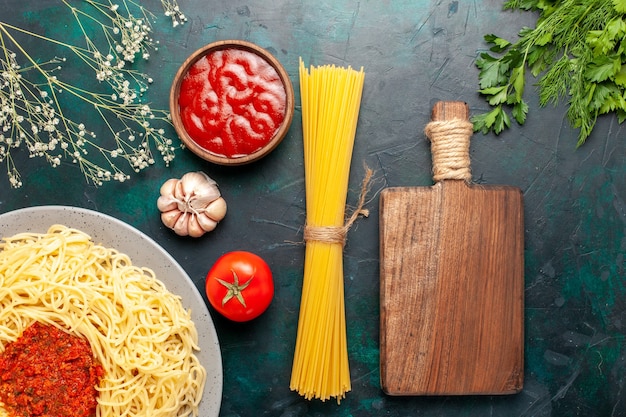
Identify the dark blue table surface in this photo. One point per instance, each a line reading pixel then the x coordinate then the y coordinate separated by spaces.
pixel 414 53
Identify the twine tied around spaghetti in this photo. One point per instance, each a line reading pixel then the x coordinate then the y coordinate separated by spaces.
pixel 450 141
pixel 338 234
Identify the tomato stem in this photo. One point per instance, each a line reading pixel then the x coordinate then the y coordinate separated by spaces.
pixel 234 289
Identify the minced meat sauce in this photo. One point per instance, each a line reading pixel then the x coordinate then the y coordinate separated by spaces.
pixel 47 372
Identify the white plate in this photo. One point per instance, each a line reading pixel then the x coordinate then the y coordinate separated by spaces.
pixel 143 251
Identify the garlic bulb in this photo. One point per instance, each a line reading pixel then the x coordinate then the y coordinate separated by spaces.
pixel 191 205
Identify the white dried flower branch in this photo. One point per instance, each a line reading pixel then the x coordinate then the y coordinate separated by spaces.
pixel 173 10
pixel 32 112
pixel 128 36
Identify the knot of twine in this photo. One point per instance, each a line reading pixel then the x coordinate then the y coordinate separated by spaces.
pixel 338 234
pixel 450 140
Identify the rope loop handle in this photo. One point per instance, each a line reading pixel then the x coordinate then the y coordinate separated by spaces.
pixel 450 141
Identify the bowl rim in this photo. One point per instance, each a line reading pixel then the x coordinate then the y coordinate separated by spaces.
pixel 204 153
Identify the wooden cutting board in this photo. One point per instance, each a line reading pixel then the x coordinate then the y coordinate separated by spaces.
pixel 452 277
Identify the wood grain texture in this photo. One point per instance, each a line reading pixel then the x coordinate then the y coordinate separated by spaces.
pixel 452 287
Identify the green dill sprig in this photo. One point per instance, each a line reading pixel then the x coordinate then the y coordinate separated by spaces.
pixel 577 51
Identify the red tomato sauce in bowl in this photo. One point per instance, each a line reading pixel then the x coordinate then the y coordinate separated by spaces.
pixel 232 101
pixel 48 372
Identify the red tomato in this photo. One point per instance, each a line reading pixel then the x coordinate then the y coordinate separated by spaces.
pixel 240 285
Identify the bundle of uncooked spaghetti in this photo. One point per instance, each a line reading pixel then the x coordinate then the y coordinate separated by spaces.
pixel 331 98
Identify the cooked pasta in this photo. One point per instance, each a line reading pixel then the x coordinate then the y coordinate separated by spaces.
pixel 331 99
pixel 139 331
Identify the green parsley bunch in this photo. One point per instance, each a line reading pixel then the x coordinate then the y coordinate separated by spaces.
pixel 576 51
